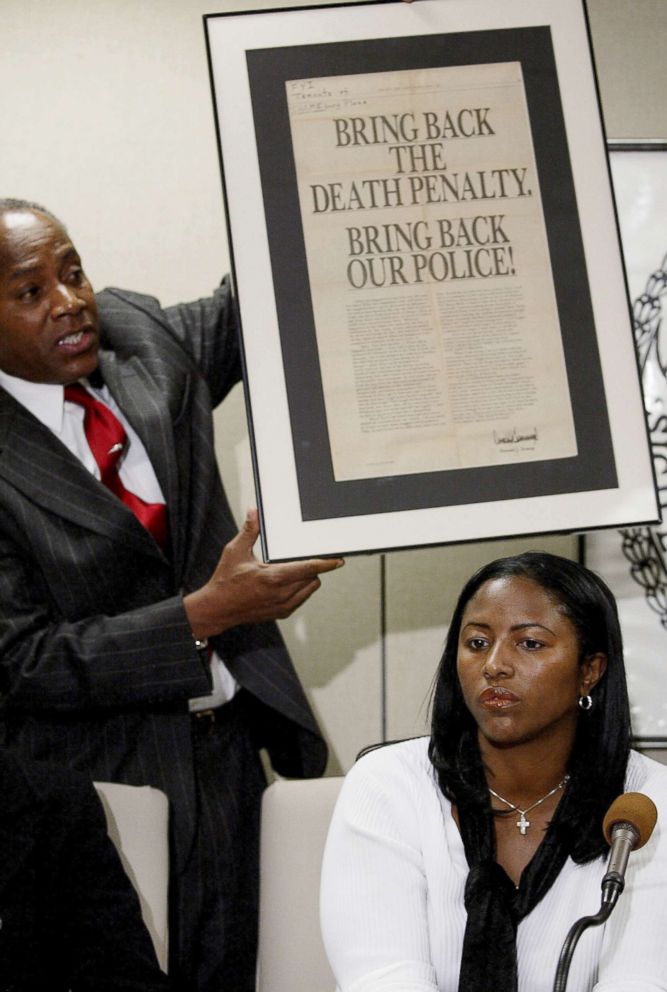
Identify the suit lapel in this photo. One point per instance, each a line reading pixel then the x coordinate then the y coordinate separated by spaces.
pixel 36 463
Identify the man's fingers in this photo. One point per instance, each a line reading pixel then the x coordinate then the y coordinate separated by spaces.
pixel 301 571
pixel 291 571
pixel 247 536
pixel 327 564
pixel 251 525
pixel 297 596
pixel 292 583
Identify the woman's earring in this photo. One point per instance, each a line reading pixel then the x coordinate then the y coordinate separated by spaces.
pixel 585 702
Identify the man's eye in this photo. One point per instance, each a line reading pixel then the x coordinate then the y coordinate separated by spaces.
pixel 29 293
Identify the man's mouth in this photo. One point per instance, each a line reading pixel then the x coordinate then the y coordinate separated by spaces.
pixel 71 338
pixel 78 340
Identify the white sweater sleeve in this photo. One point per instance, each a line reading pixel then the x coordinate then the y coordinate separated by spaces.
pixel 374 893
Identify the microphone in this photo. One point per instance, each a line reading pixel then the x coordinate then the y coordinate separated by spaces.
pixel 627 825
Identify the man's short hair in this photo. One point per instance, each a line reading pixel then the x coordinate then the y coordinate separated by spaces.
pixel 9 204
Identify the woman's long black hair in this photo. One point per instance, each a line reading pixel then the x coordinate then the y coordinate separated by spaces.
pixel 602 743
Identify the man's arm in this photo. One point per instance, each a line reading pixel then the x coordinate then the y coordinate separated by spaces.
pixel 145 656
pixel 208 329
pixel 105 657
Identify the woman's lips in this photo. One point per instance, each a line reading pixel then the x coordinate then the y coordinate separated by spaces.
pixel 495 698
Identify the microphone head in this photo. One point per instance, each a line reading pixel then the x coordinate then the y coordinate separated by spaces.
pixel 634 808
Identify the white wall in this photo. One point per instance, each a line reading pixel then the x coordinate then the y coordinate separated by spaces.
pixel 106 118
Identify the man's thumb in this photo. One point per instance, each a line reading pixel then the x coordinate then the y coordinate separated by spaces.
pixel 250 530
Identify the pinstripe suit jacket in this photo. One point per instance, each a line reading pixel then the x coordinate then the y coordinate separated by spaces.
pixel 97 660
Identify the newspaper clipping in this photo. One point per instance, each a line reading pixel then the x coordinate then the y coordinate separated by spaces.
pixel 435 313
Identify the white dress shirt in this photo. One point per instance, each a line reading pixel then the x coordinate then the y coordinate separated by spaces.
pixel 47 403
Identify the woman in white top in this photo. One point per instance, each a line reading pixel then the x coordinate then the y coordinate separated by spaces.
pixel 459 863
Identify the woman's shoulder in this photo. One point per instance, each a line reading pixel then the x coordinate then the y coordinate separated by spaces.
pixel 397 768
pixel 396 758
pixel 391 788
pixel 645 774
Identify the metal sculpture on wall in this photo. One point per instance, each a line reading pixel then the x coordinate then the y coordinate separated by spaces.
pixel 634 560
pixel 646 547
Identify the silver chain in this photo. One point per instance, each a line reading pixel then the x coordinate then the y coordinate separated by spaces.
pixel 523 824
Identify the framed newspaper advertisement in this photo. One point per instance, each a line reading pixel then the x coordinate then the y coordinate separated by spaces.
pixel 633 561
pixel 436 333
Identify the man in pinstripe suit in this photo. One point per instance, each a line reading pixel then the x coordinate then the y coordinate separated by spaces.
pixel 134 662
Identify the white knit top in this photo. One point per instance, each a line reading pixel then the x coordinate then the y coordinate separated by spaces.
pixel 393 877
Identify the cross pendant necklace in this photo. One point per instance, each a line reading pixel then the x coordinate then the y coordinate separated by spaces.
pixel 523 824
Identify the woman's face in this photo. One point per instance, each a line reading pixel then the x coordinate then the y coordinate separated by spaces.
pixel 519 664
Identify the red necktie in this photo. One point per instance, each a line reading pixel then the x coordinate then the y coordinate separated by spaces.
pixel 107 438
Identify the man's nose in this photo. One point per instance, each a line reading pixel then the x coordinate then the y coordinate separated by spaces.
pixel 65 300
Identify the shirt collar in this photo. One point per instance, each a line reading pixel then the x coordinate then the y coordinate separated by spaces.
pixel 43 399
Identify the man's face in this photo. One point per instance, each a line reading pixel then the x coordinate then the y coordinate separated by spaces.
pixel 49 327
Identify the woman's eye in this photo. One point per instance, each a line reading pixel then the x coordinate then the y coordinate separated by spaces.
pixel 476 643
pixel 531 644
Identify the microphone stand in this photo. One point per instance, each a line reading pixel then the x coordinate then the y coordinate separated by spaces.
pixel 613 884
pixel 628 824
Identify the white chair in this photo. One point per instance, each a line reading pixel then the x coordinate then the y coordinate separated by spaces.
pixel 137 820
pixel 295 821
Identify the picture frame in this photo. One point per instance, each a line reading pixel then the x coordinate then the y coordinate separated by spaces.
pixel 436 337
pixel 633 560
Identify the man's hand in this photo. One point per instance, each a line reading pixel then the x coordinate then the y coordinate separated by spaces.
pixel 244 590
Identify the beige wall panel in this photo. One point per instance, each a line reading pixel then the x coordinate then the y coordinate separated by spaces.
pixel 421 589
pixel 348 704
pixel 335 643
pixel 106 117
pixel 629 38
pixel 334 639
